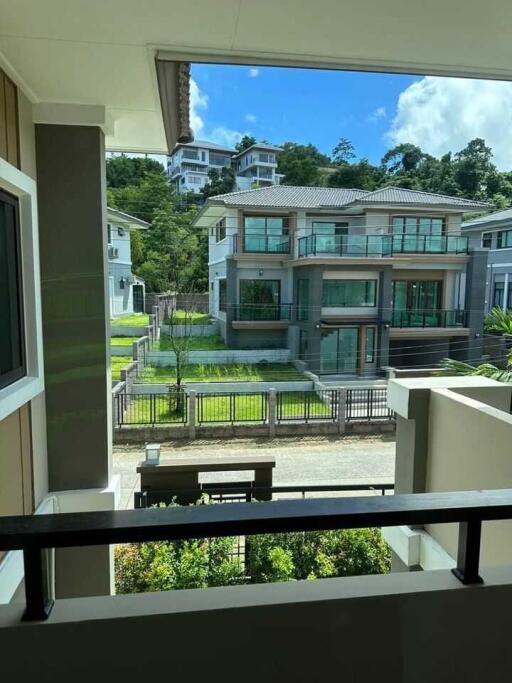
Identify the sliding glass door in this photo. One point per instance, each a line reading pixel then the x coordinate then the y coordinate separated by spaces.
pixel 416 303
pixel 339 350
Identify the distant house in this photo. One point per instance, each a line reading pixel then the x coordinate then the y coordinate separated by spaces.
pixel 126 290
pixel 494 232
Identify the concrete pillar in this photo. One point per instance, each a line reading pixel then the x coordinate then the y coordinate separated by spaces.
pixel 475 302
pixel 342 410
pixel 73 255
pixel 272 412
pixel 385 305
pixel 231 301
pixel 192 419
pixel 505 292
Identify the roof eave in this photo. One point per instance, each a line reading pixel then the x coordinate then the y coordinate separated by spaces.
pixel 174 90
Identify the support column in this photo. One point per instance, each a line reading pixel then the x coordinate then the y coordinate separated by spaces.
pixel 475 302
pixel 73 242
pixel 231 301
pixel 386 315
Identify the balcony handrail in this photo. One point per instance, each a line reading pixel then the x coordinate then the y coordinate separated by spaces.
pixel 33 534
pixel 383 245
pixel 445 317
pixel 282 311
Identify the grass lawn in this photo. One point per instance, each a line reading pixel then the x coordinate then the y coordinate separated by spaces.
pixel 122 341
pixel 118 363
pixel 133 319
pixel 211 343
pixel 237 407
pixel 242 372
pixel 192 317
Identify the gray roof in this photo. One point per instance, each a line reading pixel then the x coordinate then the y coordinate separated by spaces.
pixel 122 217
pixel 290 196
pixel 205 144
pixel 503 216
pixel 260 145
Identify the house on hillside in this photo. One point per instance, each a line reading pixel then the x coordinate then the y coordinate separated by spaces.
pixel 494 232
pixel 350 281
pixel 126 290
pixel 189 164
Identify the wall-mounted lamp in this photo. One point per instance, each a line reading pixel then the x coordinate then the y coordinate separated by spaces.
pixel 260 273
pixel 317 326
pixel 122 282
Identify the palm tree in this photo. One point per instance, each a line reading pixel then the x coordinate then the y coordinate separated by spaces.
pixel 458 367
pixel 499 320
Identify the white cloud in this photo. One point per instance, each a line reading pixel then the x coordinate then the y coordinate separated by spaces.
pixel 198 102
pixel 377 115
pixel 220 134
pixel 224 136
pixel 250 118
pixel 442 114
pixel 254 73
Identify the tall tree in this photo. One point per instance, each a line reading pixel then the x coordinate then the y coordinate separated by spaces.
pixel 301 164
pixel 246 142
pixel 472 168
pixel 219 183
pixel 344 152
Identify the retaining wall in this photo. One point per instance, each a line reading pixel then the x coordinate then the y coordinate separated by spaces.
pixel 221 357
pixel 226 387
pixel 209 330
pixel 128 331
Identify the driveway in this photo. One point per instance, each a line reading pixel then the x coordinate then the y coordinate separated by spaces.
pixel 302 460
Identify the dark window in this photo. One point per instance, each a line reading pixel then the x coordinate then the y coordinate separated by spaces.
pixel 222 295
pixel 220 230
pixel 349 293
pixel 487 240
pixel 12 346
pixel 260 300
pixel 109 233
pixel 504 239
pixel 499 290
pixel 416 295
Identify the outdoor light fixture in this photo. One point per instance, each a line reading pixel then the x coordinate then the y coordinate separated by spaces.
pixel 152 451
pixel 260 273
pixel 121 283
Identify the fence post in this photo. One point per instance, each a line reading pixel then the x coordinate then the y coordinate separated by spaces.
pixel 192 414
pixel 272 405
pixel 342 410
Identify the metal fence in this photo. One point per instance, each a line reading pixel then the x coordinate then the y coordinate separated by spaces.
pixel 232 407
pixel 151 409
pixel 366 405
pixel 305 406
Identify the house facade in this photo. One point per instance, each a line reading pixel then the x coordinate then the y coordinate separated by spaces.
pixel 494 233
pixel 350 281
pixel 126 290
pixel 189 164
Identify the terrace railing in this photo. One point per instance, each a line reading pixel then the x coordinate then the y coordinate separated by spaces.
pixel 34 535
pixel 381 245
pixel 264 312
pixel 266 244
pixel 231 407
pixel 429 318
pixel 366 405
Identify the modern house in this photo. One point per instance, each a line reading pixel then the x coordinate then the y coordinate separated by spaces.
pixel 126 290
pixel 189 164
pixel 494 232
pixel 351 281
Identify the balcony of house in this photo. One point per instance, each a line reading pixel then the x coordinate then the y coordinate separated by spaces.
pixel 262 316
pixel 429 322
pixel 381 246
pixel 264 235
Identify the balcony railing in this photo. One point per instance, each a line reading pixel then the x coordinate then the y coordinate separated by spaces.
pixel 34 535
pixel 381 245
pixel 429 318
pixel 266 244
pixel 268 312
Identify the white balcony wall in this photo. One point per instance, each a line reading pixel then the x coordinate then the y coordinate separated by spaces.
pixel 120 240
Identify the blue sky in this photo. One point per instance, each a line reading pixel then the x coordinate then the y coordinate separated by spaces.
pixel 374 111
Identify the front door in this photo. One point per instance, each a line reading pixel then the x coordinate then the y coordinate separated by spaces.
pixel 340 350
pixel 138 299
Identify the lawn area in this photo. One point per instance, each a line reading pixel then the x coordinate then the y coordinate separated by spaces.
pixel 118 363
pixel 122 341
pixel 229 408
pixel 133 319
pixel 210 343
pixel 192 317
pixel 241 372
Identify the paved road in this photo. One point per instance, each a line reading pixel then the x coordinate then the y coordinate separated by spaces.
pixel 303 460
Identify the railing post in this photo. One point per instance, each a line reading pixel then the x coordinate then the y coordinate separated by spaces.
pixel 468 553
pixel 192 414
pixel 38 593
pixel 272 413
pixel 342 410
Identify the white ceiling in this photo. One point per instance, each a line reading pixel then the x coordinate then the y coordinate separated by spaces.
pixel 101 52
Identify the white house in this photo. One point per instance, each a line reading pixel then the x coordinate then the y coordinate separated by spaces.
pixel 126 290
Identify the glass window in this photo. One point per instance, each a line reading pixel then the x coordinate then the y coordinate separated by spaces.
pixel 417 225
pixel 349 293
pixel 339 350
pixel 260 299
pixel 222 295
pixel 487 240
pixel 303 299
pixel 504 239
pixel 109 233
pixel 266 234
pixel 412 299
pixel 12 343
pixel 220 230
pixel 369 356
pixel 499 290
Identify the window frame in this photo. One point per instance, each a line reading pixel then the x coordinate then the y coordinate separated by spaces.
pixel 223 290
pixel 220 230
pixel 417 218
pixel 368 281
pixel 264 235
pixel 498 286
pixel 499 239
pixel 487 236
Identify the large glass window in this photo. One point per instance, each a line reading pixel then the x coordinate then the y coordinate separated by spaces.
pixel 12 346
pixel 266 234
pixel 349 293
pixel 303 299
pixel 260 299
pixel 339 350
pixel 498 294
pixel 413 299
pixel 328 235
pixel 417 234
pixel 220 230
pixel 504 240
pixel 222 295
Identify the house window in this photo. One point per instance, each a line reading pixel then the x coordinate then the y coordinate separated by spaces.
pixel 303 299
pixel 266 234
pixel 260 299
pixel 504 239
pixel 222 295
pixel 499 291
pixel 349 293
pixel 109 233
pixel 220 230
pixel 417 225
pixel 487 240
pixel 12 341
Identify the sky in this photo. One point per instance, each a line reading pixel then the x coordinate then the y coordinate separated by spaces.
pixel 374 111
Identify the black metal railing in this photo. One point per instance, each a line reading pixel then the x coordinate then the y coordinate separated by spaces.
pixel 37 533
pixel 231 407
pixel 306 406
pixel 381 245
pixel 429 318
pixel 266 244
pixel 264 312
pixel 151 409
pixel 366 405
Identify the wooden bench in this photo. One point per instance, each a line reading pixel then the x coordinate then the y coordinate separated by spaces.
pixel 177 474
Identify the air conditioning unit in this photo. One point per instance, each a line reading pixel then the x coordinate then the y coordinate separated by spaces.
pixel 113 252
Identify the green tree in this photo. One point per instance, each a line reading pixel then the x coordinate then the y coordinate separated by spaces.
pixel 473 166
pixel 246 142
pixel 404 157
pixel 344 152
pixel 123 170
pixel 301 164
pixel 219 183
pixel 362 175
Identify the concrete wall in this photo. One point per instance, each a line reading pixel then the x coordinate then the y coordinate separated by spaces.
pixel 421 627
pixel 220 357
pixel 192 330
pixel 228 387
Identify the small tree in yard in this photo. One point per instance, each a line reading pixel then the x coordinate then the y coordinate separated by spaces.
pixel 180 334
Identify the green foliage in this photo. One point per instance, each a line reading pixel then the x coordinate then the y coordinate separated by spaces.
pixel 220 183
pixel 246 142
pixel 301 164
pixel 344 152
pixel 123 170
pixel 499 320
pixel 362 175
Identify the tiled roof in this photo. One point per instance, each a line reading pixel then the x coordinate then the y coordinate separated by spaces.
pixel 205 144
pixel 260 145
pixel 290 196
pixel 496 217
